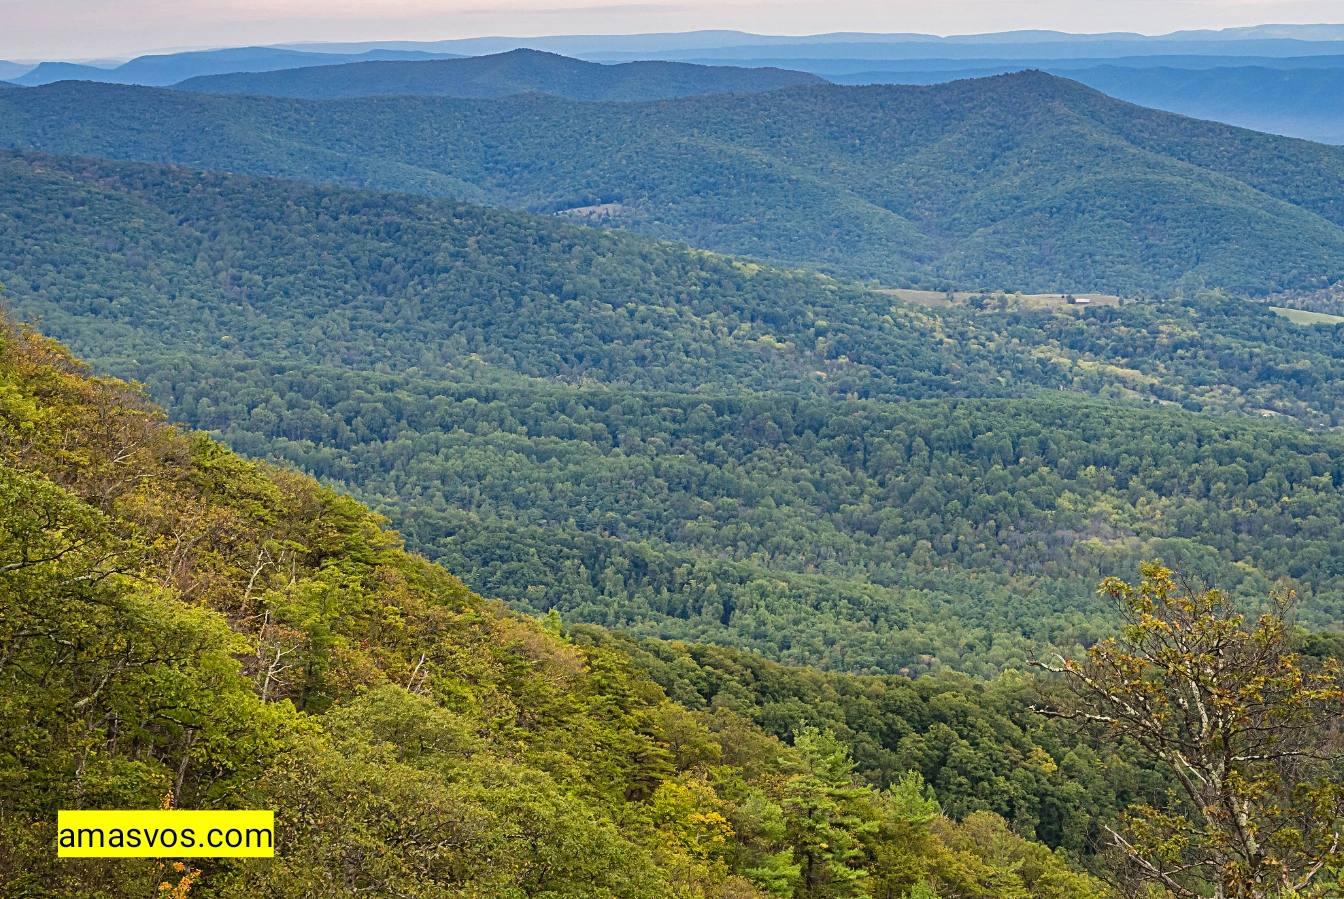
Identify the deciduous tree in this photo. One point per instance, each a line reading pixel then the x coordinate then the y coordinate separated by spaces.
pixel 1247 730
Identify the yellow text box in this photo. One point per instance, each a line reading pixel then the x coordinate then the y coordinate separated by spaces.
pixel 160 833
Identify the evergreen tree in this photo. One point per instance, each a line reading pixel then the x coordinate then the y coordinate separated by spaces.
pixel 829 816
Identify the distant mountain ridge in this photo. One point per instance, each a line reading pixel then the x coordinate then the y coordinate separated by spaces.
pixel 1307 103
pixel 10 70
pixel 720 45
pixel 504 74
pixel 1024 181
pixel 996 49
pixel 842 69
pixel 51 72
pixel 1304 101
pixel 689 41
pixel 161 70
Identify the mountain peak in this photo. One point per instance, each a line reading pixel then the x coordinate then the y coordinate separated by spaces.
pixel 530 53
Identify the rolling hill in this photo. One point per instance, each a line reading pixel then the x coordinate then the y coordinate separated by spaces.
pixel 501 75
pixel 1024 181
pixel 685 445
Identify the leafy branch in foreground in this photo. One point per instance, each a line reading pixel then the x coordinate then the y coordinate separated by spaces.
pixel 1248 732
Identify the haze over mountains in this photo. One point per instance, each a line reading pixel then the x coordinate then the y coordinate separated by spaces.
pixel 744 48
pixel 1299 102
pixel 502 75
pixel 1276 39
pixel 165 69
pixel 1170 72
pixel 1025 181
pixel 1297 97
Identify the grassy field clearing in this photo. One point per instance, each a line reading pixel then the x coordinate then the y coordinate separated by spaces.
pixel 1303 317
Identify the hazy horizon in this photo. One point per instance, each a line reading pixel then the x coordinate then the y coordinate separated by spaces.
pixel 85 30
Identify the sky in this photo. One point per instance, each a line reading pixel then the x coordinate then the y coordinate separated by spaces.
pixel 92 29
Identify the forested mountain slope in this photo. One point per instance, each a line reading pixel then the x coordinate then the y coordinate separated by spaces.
pixel 182 627
pixel 687 445
pixel 976 742
pixel 504 74
pixel 1023 181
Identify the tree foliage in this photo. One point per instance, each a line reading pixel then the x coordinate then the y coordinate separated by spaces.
pixel 653 438
pixel 1020 182
pixel 180 626
pixel 1246 729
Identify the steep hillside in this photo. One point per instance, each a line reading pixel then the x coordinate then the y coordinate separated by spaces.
pixel 500 75
pixel 1023 181
pixel 686 445
pixel 184 628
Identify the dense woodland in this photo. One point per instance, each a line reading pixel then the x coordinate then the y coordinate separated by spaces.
pixel 975 742
pixel 1023 181
pixel 735 457
pixel 181 626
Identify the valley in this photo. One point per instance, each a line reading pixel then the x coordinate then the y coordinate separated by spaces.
pixel 820 496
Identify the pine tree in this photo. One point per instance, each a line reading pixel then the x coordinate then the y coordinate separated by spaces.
pixel 829 813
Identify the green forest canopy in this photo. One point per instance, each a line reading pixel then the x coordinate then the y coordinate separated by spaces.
pixel 1019 182
pixel 688 446
pixel 184 627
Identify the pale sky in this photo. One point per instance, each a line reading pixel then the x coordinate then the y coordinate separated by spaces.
pixel 78 29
